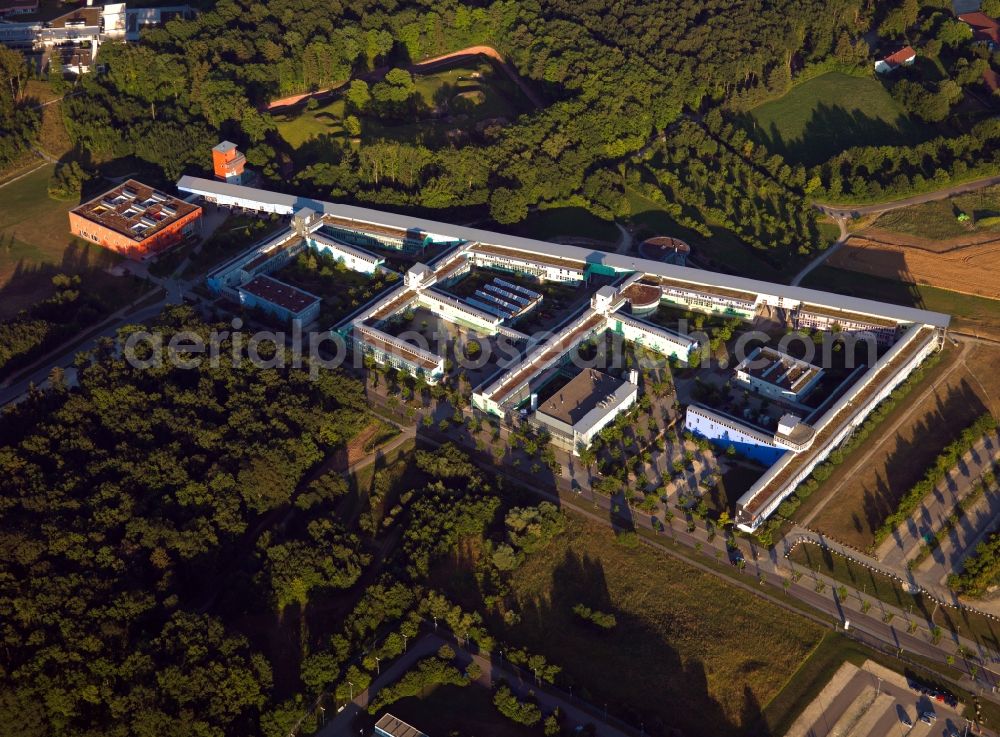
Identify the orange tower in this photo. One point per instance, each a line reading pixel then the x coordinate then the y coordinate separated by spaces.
pixel 228 163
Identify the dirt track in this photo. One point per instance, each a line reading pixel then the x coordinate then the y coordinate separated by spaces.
pixel 425 67
pixel 971 268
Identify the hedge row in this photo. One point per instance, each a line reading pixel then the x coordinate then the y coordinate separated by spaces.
pixel 948 458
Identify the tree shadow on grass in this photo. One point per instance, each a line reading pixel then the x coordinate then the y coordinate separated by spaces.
pixel 832 129
pixel 632 667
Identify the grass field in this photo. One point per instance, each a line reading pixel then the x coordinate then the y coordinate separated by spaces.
pixel 451 100
pixel 940 219
pixel 35 244
pixel 970 314
pixel 682 636
pixel 829 113
pixel 575 222
pixel 869 483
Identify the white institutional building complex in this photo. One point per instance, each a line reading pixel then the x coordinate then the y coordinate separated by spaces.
pixel 638 286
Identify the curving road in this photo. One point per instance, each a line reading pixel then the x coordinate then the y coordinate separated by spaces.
pixel 843 211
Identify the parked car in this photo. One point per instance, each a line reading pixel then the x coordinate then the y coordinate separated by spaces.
pixel 928 717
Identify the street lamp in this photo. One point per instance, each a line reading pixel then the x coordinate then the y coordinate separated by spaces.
pixel 378 665
pixel 352 690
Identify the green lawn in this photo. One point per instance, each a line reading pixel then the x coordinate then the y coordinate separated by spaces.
pixel 298 127
pixel 940 219
pixel 970 313
pixel 35 243
pixel 829 113
pixel 682 636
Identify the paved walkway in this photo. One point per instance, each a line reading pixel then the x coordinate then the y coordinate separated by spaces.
pixel 929 517
pixel 940 194
pixel 822 257
pixel 493 670
pixel 422 67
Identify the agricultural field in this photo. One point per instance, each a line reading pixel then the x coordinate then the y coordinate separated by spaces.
pixel 970 313
pixel 970 269
pixel 681 637
pixel 448 103
pixel 939 220
pixel 829 113
pixel 869 483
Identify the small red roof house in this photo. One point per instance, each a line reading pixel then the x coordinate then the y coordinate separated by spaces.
pixel 902 58
pixel 984 29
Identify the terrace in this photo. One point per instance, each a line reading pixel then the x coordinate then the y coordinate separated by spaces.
pixel 266 255
pixel 724 292
pixel 397 303
pixel 134 210
pixel 516 255
pixel 512 381
pixel 363 227
pixel 845 316
pixel 397 347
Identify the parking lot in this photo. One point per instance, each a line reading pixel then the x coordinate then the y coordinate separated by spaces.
pixel 872 701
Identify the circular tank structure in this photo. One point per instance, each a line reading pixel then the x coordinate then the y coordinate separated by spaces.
pixel 665 248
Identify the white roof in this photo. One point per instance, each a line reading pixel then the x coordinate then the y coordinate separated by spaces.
pixel 529 246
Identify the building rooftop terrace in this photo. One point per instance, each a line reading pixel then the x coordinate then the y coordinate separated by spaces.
pixel 135 210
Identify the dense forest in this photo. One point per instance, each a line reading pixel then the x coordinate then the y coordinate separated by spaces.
pixel 161 527
pixel 613 78
pixel 646 96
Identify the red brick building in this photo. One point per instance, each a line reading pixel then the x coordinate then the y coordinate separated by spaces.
pixel 228 163
pixel 135 220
